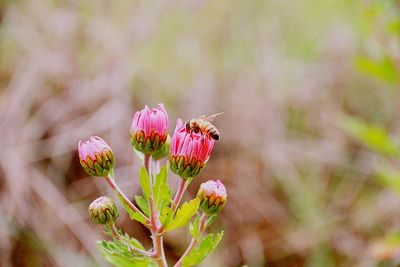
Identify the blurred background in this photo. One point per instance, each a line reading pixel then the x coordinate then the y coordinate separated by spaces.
pixel 310 134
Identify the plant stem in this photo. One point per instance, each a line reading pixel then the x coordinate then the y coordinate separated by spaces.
pixel 158 255
pixel 182 186
pixel 156 226
pixel 114 231
pixel 194 241
pixel 124 198
pixel 155 166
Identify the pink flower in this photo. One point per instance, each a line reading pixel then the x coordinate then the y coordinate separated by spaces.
pixel 149 129
pixel 96 156
pixel 189 152
pixel 212 195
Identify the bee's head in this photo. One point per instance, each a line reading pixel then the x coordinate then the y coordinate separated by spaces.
pixel 187 126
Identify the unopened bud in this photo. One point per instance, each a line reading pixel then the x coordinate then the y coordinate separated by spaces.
pixel 213 197
pixel 190 151
pixel 96 156
pixel 164 151
pixel 103 211
pixel 149 129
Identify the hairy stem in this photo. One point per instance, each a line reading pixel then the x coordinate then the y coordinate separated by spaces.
pixel 182 186
pixel 194 241
pixel 156 226
pixel 124 198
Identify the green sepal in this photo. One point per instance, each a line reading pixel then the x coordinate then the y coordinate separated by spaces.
pixel 98 168
pixel 99 159
pixel 148 147
pixel 156 143
pixel 90 163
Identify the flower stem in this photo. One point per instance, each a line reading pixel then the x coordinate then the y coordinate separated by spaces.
pixel 194 241
pixel 182 186
pixel 156 227
pixel 114 231
pixel 124 198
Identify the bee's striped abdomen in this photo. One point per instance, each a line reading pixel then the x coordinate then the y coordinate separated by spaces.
pixel 211 130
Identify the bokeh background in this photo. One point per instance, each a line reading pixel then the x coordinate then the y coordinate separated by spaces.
pixel 309 150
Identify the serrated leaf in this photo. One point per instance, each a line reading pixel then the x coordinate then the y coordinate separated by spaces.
pixel 132 214
pixel 143 204
pixel 166 215
pixel 183 215
pixel 132 241
pixel 137 217
pixel 205 247
pixel 194 228
pixel 119 255
pixel 161 190
pixel 144 182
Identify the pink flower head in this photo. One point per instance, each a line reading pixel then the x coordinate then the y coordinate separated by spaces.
pixel 190 151
pixel 212 195
pixel 96 156
pixel 149 129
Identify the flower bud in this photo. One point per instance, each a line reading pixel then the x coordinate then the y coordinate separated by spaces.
pixel 212 195
pixel 96 156
pixel 149 129
pixel 103 211
pixel 189 151
pixel 164 151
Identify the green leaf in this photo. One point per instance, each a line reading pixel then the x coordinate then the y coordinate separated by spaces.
pixel 206 246
pixel 374 137
pixel 137 217
pixel 132 214
pixel 132 241
pixel 118 253
pixel 210 220
pixel 194 228
pixel 166 215
pixel 390 177
pixel 161 190
pixel 143 204
pixel 183 215
pixel 384 69
pixel 144 182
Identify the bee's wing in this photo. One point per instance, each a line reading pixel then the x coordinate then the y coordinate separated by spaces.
pixel 211 117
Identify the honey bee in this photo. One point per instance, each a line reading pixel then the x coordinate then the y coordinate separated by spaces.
pixel 203 125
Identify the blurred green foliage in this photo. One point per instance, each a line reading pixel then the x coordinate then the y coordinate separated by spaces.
pixel 381 61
